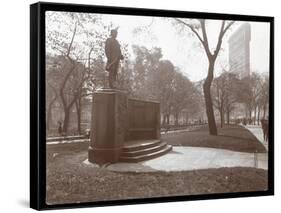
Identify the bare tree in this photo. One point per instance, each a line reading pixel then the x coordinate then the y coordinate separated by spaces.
pixel 77 58
pixel 184 95
pixel 264 96
pixel 162 88
pixel 250 92
pixel 51 97
pixel 212 56
pixel 225 94
pixel 220 96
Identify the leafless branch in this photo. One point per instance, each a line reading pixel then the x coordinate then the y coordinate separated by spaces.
pixel 205 38
pixel 72 39
pixel 228 26
pixel 191 27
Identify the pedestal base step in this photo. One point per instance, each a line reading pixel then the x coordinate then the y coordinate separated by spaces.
pixel 136 151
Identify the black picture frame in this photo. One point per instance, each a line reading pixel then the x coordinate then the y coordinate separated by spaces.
pixel 37 101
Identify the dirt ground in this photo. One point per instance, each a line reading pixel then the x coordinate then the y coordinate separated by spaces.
pixel 71 181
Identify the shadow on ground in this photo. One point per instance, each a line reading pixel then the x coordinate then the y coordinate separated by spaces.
pixel 230 137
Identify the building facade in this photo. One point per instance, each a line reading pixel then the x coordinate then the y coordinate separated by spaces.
pixel 239 51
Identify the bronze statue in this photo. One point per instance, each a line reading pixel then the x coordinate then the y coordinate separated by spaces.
pixel 114 55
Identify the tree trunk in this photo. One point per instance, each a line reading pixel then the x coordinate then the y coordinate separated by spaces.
pixel 255 115
pixel 208 100
pixel 264 111
pixel 222 117
pixel 227 114
pixel 66 107
pixel 246 110
pixel 78 111
pixel 168 119
pixel 49 115
pixel 163 119
pixel 49 112
pixel 259 110
pixel 49 118
pixel 250 116
pixel 186 118
pixel 66 120
pixel 176 119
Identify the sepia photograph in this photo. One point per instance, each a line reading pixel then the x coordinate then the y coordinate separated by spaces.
pixel 143 106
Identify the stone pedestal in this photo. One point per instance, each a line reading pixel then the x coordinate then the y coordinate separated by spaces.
pixel 109 118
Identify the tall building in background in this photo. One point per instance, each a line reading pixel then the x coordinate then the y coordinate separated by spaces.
pixel 239 51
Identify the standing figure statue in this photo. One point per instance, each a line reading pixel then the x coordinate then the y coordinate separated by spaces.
pixel 114 55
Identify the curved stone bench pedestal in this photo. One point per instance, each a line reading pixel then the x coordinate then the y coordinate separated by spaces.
pixel 109 113
pixel 124 129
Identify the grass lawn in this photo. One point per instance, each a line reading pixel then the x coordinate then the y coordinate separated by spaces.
pixel 231 137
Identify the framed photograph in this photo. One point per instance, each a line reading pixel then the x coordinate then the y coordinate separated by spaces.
pixel 133 106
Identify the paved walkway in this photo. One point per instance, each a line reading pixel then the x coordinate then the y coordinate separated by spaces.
pixel 256 130
pixel 187 129
pixel 194 158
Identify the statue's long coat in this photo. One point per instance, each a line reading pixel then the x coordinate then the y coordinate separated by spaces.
pixel 113 54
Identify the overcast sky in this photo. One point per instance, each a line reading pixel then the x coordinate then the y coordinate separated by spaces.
pixel 184 50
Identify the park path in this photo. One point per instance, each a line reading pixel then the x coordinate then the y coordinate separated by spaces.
pixel 256 130
pixel 194 158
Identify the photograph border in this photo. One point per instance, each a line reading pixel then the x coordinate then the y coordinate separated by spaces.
pixel 37 101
